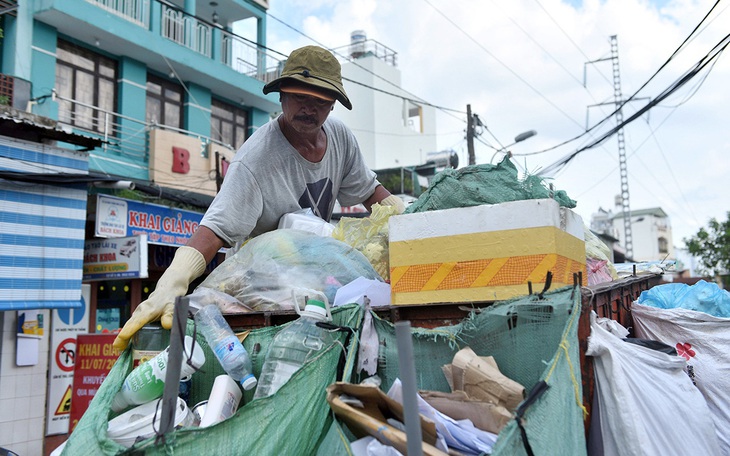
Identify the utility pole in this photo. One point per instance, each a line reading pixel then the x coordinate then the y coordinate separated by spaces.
pixel 623 169
pixel 470 135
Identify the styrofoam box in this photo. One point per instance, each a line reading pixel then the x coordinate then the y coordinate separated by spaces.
pixel 484 253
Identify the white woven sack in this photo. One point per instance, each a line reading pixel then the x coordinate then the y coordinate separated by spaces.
pixel 645 401
pixel 704 341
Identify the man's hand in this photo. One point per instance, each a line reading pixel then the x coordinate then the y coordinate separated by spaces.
pixel 186 266
pixel 394 201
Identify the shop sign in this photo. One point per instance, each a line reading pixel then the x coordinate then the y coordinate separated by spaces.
pixel 66 326
pixel 115 258
pixel 95 357
pixel 117 217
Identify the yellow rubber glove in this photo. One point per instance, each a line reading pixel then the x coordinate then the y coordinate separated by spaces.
pixel 394 201
pixel 187 265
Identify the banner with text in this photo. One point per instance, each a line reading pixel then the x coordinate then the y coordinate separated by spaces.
pixel 117 217
pixel 116 258
pixel 94 360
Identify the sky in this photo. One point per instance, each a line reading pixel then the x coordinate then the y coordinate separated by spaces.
pixel 546 65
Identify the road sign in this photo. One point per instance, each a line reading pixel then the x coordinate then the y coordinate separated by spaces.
pixel 66 355
pixel 64 407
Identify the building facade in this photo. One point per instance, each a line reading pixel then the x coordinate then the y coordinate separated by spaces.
pixel 394 128
pixel 137 106
pixel 651 232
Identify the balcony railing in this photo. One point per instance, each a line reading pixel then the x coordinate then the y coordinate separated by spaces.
pixel 187 31
pixel 365 48
pixel 248 59
pixel 198 35
pixel 123 136
pixel 137 11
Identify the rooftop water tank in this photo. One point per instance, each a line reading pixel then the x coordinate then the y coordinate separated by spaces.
pixel 357 43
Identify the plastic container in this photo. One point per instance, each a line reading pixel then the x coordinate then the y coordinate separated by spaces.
pixel 295 345
pixel 147 381
pixel 198 411
pixel 137 423
pixel 150 340
pixel 223 401
pixel 225 345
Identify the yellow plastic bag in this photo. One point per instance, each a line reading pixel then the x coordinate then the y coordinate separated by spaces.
pixel 369 235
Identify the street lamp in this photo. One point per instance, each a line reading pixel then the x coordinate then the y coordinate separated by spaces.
pixel 519 138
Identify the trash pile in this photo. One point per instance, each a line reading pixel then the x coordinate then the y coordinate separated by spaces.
pixel 504 380
pixel 142 389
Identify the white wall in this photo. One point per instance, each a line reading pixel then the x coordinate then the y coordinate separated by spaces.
pixel 22 392
pixel 645 233
pixel 377 119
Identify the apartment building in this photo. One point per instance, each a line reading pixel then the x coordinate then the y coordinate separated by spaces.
pixel 136 107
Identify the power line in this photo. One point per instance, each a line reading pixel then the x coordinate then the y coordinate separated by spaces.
pixel 633 96
pixel 417 99
pixel 699 66
pixel 500 62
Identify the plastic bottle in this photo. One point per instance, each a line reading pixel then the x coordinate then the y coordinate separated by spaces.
pixel 295 345
pixel 223 401
pixel 225 345
pixel 146 382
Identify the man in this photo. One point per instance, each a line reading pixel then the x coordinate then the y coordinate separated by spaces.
pixel 300 159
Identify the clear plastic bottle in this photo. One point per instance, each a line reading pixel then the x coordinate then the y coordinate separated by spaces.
pixel 146 382
pixel 225 345
pixel 294 346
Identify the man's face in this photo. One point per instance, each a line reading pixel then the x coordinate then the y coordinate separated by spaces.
pixel 304 113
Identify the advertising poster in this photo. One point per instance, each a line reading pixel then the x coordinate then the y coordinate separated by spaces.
pixel 66 324
pixel 115 258
pixel 94 360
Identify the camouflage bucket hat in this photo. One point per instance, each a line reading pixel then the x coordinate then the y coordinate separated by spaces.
pixel 316 67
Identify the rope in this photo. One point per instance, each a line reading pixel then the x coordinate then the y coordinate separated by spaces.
pixel 564 345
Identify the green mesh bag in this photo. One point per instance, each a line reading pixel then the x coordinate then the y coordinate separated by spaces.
pixel 532 340
pixel 294 421
pixel 484 184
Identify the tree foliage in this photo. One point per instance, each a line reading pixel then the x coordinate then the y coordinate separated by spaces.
pixel 712 246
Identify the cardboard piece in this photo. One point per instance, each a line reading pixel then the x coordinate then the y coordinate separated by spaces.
pixel 485 415
pixel 365 409
pixel 481 379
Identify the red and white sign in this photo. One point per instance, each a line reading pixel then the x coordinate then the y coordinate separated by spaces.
pixel 94 360
pixel 66 355
pixel 66 324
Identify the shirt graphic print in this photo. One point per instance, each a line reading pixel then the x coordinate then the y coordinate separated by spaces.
pixel 318 196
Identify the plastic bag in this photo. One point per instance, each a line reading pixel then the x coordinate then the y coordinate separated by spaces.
pixel 305 220
pixel 370 236
pixel 704 341
pixel 203 296
pixel 646 401
pixel 598 260
pixel 702 297
pixel 265 271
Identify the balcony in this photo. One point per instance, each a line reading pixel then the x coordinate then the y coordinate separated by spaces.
pixel 123 136
pixel 368 48
pixel 203 37
pixel 135 145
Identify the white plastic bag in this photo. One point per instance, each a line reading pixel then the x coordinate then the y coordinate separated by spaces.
pixel 647 404
pixel 704 341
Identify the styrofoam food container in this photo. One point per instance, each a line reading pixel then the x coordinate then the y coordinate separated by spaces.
pixel 137 422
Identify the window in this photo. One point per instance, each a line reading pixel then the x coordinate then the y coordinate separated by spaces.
pixel 164 102
pixel 89 80
pixel 413 116
pixel 663 245
pixel 228 124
